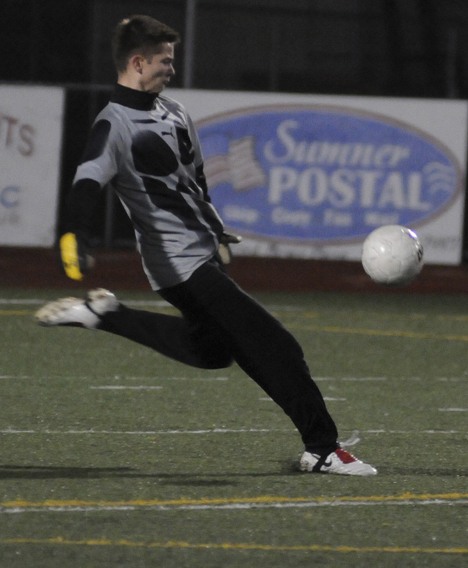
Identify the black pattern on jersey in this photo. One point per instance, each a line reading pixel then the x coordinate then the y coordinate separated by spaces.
pixel 152 155
pixel 144 120
pixel 185 146
pixel 97 141
pixel 189 187
pixel 169 200
pixel 201 181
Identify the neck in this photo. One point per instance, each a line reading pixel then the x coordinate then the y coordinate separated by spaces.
pixel 130 82
pixel 133 98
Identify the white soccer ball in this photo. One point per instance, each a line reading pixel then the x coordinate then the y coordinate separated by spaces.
pixel 392 255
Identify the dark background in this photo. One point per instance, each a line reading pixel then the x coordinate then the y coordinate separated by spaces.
pixel 408 48
pixel 404 48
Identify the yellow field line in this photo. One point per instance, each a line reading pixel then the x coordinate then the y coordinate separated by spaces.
pixel 384 333
pixel 234 546
pixel 15 312
pixel 263 499
pixel 331 329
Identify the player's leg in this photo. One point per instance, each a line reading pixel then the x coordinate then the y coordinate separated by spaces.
pixel 192 340
pixel 262 347
pixel 222 321
pixel 271 356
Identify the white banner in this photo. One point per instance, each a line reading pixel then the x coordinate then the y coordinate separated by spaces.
pixel 30 149
pixel 310 176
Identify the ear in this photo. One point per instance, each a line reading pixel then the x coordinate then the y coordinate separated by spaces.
pixel 136 63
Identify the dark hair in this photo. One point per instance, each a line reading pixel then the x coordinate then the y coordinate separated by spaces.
pixel 139 33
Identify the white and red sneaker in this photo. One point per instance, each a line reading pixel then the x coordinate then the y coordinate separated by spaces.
pixel 340 462
pixel 78 313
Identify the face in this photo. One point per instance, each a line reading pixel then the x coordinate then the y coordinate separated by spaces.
pixel 155 72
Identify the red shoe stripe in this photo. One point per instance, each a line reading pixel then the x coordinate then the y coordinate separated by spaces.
pixel 345 456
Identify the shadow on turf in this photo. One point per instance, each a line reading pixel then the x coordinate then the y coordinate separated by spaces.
pixel 202 479
pixel 53 472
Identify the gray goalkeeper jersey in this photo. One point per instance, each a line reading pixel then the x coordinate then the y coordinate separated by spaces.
pixel 146 147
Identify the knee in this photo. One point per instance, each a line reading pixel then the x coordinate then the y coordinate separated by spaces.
pixel 216 361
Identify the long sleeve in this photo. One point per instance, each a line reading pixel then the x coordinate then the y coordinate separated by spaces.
pixel 81 207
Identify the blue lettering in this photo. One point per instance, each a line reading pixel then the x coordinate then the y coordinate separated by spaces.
pixel 9 196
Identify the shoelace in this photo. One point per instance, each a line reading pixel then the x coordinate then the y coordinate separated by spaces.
pixel 352 440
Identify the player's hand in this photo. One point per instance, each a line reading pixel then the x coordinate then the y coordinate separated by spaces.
pixel 74 255
pixel 228 239
pixel 224 250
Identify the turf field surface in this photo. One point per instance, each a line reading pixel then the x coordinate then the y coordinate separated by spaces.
pixel 112 455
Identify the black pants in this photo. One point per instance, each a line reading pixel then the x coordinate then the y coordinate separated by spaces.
pixel 222 324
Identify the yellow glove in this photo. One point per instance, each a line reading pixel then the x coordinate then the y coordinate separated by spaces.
pixel 75 260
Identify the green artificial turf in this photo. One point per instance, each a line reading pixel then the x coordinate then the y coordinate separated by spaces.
pixel 112 455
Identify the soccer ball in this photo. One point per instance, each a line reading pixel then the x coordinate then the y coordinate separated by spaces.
pixel 392 255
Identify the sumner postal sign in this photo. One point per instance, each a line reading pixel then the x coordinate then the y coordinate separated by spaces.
pixel 310 177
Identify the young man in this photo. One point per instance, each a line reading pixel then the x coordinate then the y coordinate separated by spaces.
pixel 145 145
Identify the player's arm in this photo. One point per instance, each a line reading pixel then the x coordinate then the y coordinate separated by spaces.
pixel 226 239
pixel 74 242
pixel 97 168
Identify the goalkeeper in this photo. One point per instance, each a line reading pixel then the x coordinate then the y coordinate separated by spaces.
pixel 144 144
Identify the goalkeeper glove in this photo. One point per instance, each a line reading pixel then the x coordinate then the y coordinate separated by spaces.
pixel 74 255
pixel 224 250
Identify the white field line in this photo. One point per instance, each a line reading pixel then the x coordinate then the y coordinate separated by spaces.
pixel 240 506
pixel 21 301
pixel 350 379
pixel 125 387
pixel 223 379
pixel 40 301
pixel 148 302
pixel 208 378
pixel 326 398
pixel 92 431
pixel 136 303
pixel 4 377
pixel 142 432
pixel 118 377
pixel 157 379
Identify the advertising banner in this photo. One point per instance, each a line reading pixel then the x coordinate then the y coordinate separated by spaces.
pixel 310 176
pixel 30 147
